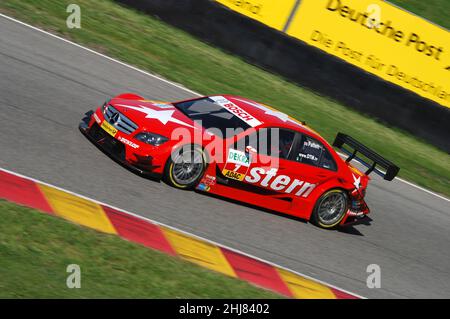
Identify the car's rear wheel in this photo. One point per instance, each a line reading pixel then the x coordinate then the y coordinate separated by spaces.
pixel 185 167
pixel 330 208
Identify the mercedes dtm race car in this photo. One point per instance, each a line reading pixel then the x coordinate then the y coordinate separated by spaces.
pixel 240 149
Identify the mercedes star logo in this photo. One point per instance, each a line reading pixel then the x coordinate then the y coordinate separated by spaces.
pixel 114 118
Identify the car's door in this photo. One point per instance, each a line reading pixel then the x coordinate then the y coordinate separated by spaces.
pixel 260 163
pixel 293 164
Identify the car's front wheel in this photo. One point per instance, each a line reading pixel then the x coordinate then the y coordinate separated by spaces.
pixel 330 208
pixel 185 167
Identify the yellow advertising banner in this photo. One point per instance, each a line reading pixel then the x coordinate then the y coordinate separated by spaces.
pixel 382 39
pixel 272 13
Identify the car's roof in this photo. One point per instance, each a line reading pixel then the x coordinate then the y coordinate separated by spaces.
pixel 270 116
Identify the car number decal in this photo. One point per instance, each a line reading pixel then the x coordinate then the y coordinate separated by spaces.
pixel 237 165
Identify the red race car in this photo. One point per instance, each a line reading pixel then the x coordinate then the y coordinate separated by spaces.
pixel 240 149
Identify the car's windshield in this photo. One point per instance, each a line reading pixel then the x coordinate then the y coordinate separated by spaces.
pixel 213 117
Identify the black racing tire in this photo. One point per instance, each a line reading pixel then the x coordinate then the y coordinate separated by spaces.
pixel 330 208
pixel 185 167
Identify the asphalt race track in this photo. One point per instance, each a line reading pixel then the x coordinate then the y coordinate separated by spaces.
pixel 47 84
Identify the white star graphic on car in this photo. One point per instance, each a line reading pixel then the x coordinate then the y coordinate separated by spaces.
pixel 162 116
pixel 357 181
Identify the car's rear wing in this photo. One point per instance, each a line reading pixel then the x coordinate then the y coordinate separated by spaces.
pixel 357 147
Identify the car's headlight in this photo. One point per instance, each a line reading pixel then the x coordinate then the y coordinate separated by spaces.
pixel 151 138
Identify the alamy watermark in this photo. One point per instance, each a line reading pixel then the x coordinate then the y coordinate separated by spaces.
pixel 73 21
pixel 374 277
pixel 74 279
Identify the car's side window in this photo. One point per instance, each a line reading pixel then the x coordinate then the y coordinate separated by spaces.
pixel 275 142
pixel 327 161
pixel 312 152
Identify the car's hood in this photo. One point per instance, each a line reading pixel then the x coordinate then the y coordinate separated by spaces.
pixel 151 116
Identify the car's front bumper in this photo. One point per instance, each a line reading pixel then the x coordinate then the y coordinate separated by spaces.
pixel 141 163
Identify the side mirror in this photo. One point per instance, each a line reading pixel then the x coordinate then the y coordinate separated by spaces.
pixel 250 149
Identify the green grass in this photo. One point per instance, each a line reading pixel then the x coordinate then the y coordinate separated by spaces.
pixel 35 250
pixel 437 11
pixel 148 43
